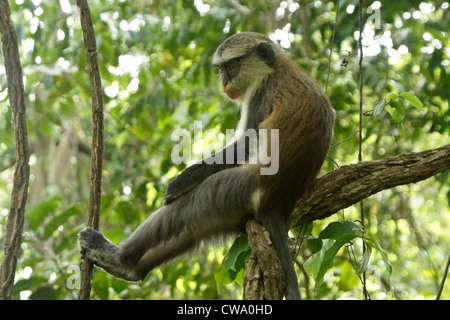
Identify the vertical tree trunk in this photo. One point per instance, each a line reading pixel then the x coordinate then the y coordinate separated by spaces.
pixel 264 277
pixel 97 137
pixel 14 225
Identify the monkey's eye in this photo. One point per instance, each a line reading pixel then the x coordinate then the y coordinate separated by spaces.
pixel 232 67
pixel 221 70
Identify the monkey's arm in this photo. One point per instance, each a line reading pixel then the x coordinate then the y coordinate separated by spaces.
pixel 231 156
pixel 237 153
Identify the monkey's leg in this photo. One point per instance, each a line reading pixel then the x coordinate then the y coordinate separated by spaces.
pixel 279 239
pixel 162 237
pixel 219 205
pixel 133 259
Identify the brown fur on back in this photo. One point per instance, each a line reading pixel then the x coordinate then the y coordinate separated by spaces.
pixel 304 117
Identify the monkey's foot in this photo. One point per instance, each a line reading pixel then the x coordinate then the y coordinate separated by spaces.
pixel 90 239
pixel 104 254
pixel 96 247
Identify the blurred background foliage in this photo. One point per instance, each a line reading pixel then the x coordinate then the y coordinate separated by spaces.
pixel 155 58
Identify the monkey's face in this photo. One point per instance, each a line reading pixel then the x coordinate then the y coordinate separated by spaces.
pixel 244 60
pixel 228 72
pixel 239 75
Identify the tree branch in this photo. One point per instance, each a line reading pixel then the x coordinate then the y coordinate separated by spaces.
pixel 350 184
pixel 334 191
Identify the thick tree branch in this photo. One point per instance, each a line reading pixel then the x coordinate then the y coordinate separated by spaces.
pixel 334 191
pixel 350 184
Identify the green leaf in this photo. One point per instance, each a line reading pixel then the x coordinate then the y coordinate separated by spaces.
pixel 239 246
pixel 322 261
pixel 398 113
pixel 100 285
pixel 312 265
pixel 239 278
pixel 30 284
pixel 330 254
pixel 379 108
pixel 119 285
pixel 391 97
pixel 365 260
pixel 372 242
pixel 223 277
pixel 336 230
pixel 233 265
pixel 46 292
pixel 412 99
pixel 304 230
pixel 341 232
pixel 309 228
pixel 314 244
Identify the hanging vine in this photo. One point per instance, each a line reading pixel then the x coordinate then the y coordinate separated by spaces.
pixel 19 194
pixel 97 137
pixel 361 272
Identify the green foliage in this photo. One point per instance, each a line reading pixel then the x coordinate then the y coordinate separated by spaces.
pixel 338 235
pixel 396 110
pixel 155 64
pixel 233 265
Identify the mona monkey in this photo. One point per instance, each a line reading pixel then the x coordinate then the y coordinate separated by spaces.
pixel 209 198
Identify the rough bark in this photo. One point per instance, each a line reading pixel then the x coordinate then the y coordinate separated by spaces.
pixel 97 137
pixel 350 184
pixel 19 194
pixel 264 278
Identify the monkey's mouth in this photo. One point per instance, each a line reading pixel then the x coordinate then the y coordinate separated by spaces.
pixel 231 91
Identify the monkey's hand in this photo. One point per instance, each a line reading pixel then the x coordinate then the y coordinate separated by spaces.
pixel 188 180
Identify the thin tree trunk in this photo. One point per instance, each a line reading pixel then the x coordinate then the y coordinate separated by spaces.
pixel 97 137
pixel 14 225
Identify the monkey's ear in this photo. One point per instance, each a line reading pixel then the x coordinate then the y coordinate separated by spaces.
pixel 265 52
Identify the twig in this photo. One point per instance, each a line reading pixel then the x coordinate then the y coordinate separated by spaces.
pixel 441 287
pixel 354 133
pixel 361 85
pixel 331 45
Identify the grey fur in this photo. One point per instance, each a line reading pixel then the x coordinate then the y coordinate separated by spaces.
pixel 213 208
pixel 242 44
